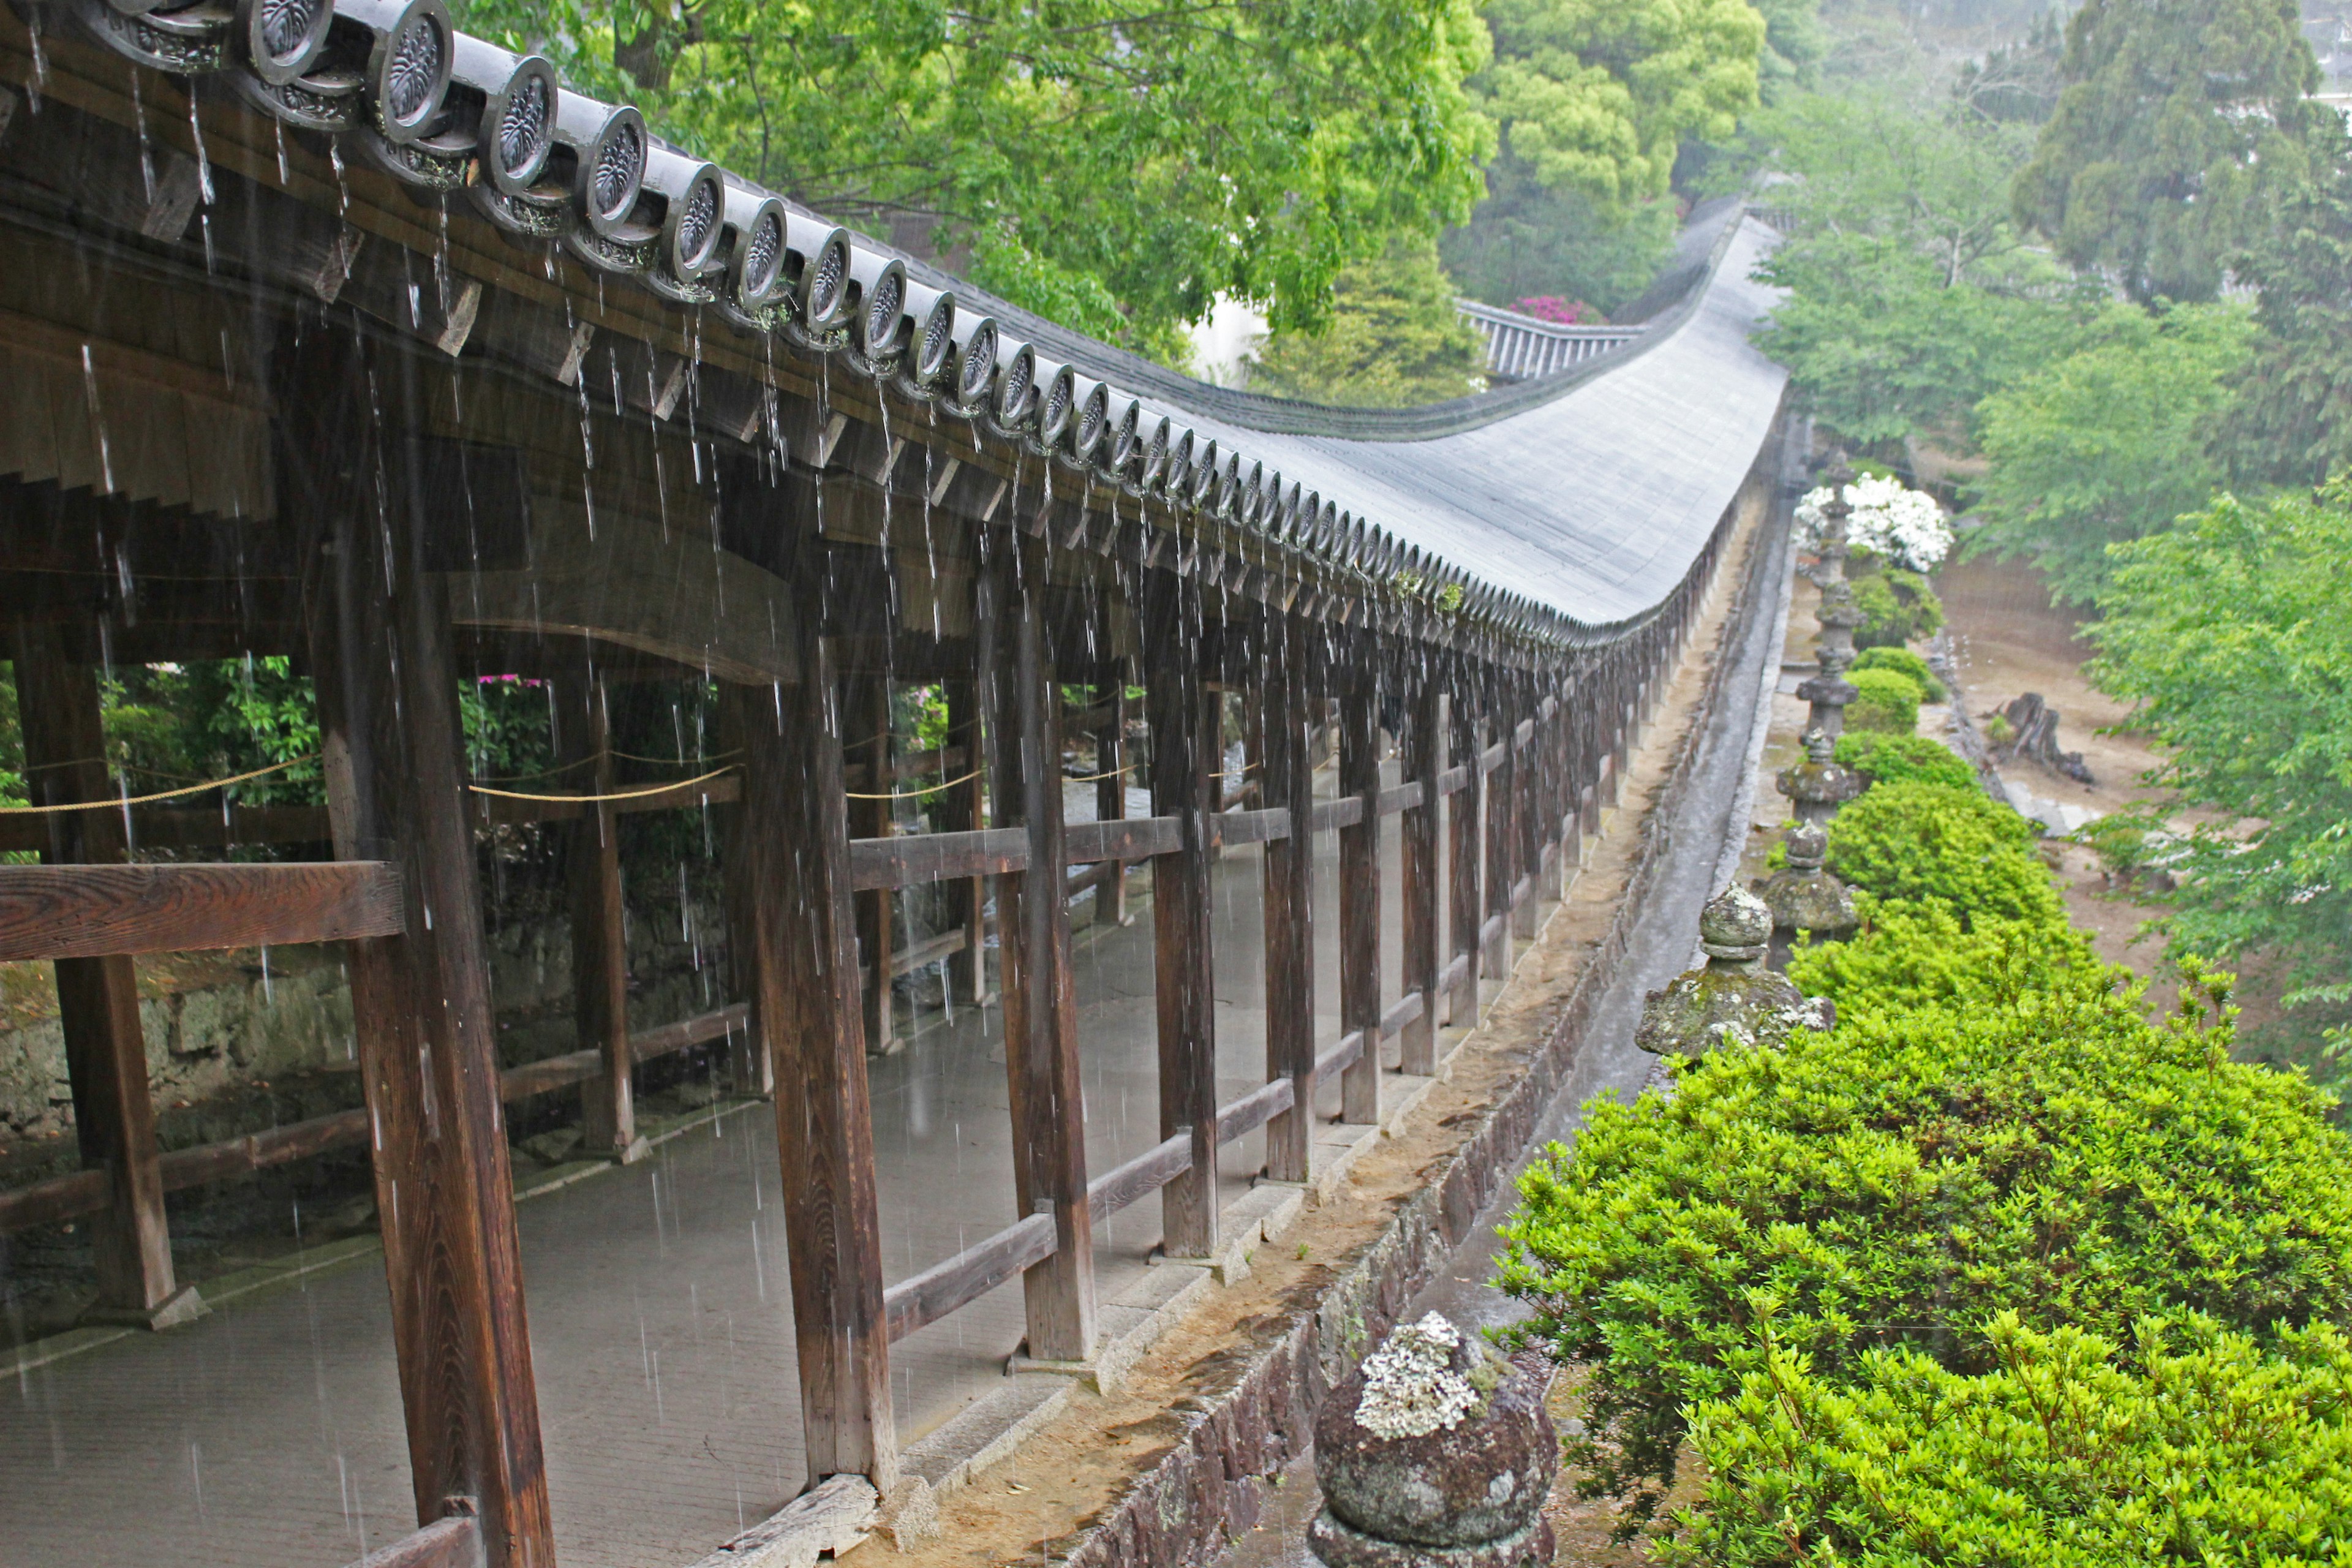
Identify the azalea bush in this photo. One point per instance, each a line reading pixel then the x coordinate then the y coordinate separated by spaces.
pixel 1894 759
pixel 1905 661
pixel 1897 607
pixel 1900 525
pixel 1886 701
pixel 1917 840
pixel 1909 953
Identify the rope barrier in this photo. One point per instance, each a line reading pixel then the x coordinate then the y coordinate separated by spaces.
pixel 592 799
pixel 118 801
pixel 1091 778
pixel 917 793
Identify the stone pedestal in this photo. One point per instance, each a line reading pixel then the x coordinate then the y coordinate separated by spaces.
pixel 1804 897
pixel 1436 1451
pixel 1734 1001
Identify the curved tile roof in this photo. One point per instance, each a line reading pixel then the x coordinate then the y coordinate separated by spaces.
pixel 1542 512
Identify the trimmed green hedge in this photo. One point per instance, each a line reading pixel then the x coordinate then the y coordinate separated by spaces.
pixel 1902 661
pixel 1909 955
pixel 1917 840
pixel 2191 1444
pixel 1895 759
pixel 1900 1181
pixel 1887 703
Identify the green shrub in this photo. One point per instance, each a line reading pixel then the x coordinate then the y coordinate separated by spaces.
pixel 1895 759
pixel 1902 1180
pixel 2205 1450
pixel 1918 840
pixel 1909 955
pixel 1903 662
pixel 1897 607
pixel 1888 702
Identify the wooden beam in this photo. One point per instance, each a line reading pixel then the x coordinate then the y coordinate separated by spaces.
pixel 1107 719
pixel 1253 1110
pixel 1130 838
pixel 927 1296
pixel 1184 972
pixel 600 953
pixel 808 1007
pixel 182 827
pixel 76 914
pixel 1287 716
pixel 454 1542
pixel 1023 708
pixel 1139 1178
pixel 1347 1052
pixel 1360 880
pixel 912 859
pixel 89 911
pixel 960 810
pixel 1421 874
pixel 1261 826
pixel 387 686
pixel 1463 860
pixel 867 703
pixel 1502 823
pixel 1345 812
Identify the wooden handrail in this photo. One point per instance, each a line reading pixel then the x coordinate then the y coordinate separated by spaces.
pixel 1146 1174
pixel 1262 827
pixel 1345 812
pixel 914 858
pixel 1121 838
pixel 1454 779
pixel 94 912
pixel 927 1296
pixel 454 1542
pixel 1399 797
pixel 1402 1012
pixel 1254 1109
pixel 1340 1057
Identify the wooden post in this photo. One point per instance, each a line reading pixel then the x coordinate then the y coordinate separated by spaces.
pixel 871 817
pixel 808 1005
pixel 387 694
pixel 1530 772
pixel 1179 710
pixel 1023 709
pixel 1360 883
pixel 1502 823
pixel 600 955
pixel 98 998
pixel 1421 874
pixel 959 812
pixel 751 1064
pixel 1290 715
pixel 1463 856
pixel 1110 791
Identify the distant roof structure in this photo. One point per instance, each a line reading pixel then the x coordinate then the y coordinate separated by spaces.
pixel 1550 512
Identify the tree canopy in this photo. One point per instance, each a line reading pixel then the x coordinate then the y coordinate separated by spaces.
pixel 1114 164
pixel 1597 96
pixel 2177 119
pixel 1395 340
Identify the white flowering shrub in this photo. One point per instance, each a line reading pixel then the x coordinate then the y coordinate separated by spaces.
pixel 1903 525
pixel 1410 1388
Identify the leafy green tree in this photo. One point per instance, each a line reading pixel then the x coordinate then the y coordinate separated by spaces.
pixel 2291 422
pixel 1393 339
pixel 2231 631
pixel 1794 43
pixel 2107 443
pixel 1527 240
pixel 1597 96
pixel 1911 292
pixel 1118 163
pixel 2178 118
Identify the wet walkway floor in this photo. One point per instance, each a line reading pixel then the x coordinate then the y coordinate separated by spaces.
pixel 269 1435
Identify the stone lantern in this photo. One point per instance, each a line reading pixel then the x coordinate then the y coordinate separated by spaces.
pixel 1817 786
pixel 1829 691
pixel 1802 896
pixel 1735 1000
pixel 1436 1453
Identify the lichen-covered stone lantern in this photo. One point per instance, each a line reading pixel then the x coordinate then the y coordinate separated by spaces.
pixel 1829 691
pixel 1817 786
pixel 1734 1000
pixel 1802 896
pixel 1436 1453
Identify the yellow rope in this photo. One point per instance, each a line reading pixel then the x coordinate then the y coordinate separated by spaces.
pixel 1091 778
pixel 592 799
pixel 917 793
pixel 118 801
pixel 678 762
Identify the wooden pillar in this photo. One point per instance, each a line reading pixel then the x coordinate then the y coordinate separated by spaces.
pixel 98 998
pixel 1023 708
pixel 1529 763
pixel 1464 857
pixel 1178 708
pixel 1360 883
pixel 1110 789
pixel 391 752
pixel 1289 714
pixel 1421 874
pixel 750 1061
pixel 868 722
pixel 960 809
pixel 600 953
pixel 1502 821
pixel 809 1007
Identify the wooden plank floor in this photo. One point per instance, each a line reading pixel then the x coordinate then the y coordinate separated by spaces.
pixel 268 1435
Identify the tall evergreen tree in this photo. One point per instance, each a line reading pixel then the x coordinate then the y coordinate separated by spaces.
pixel 2179 118
pixel 2291 422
